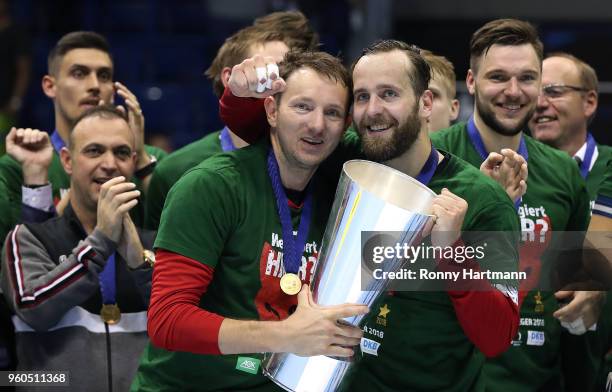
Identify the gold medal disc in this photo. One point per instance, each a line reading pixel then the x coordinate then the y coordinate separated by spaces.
pixel 110 313
pixel 290 284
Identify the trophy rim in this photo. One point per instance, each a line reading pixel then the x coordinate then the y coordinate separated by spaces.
pixel 395 172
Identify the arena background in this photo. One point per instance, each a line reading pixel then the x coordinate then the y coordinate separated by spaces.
pixel 162 47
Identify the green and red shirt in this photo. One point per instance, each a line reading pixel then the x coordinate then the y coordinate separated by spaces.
pixel 415 340
pixel 223 214
pixel 556 200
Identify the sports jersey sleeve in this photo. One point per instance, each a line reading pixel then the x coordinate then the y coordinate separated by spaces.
pixel 10 194
pixel 200 213
pixel 175 321
pixel 488 311
pixel 603 203
pixel 156 197
pixel 39 290
pixel 246 117
pixel 580 215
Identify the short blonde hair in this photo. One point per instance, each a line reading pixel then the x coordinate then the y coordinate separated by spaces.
pixel 442 67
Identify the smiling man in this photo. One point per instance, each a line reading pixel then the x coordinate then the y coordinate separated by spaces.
pixel 391 108
pixel 229 265
pixel 270 35
pixel 76 283
pixel 504 77
pixel 80 76
pixel 566 107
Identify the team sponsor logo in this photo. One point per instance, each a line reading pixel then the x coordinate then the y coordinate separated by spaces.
pixel 369 346
pixel 535 338
pixel 249 365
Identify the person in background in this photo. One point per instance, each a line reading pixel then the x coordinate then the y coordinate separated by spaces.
pixel 80 76
pixel 504 78
pixel 14 70
pixel 78 284
pixel 443 87
pixel 565 109
pixel 270 35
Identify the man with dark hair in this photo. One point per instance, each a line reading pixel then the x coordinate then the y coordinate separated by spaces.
pixel 271 35
pixel 505 73
pixel 566 106
pixel 223 261
pixel 80 77
pixel 78 284
pixel 391 106
pixel 442 85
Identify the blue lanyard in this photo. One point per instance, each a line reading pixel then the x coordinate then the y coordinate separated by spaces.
pixel 108 288
pixel 478 144
pixel 293 246
pixel 226 141
pixel 588 156
pixel 429 168
pixel 57 141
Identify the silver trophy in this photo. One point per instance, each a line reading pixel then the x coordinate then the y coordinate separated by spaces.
pixel 369 197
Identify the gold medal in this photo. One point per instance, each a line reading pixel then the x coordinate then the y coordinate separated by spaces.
pixel 110 313
pixel 290 284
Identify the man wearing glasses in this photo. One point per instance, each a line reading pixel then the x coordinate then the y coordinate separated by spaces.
pixel 565 109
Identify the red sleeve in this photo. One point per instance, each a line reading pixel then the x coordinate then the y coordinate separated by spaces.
pixel 489 318
pixel 175 320
pixel 246 117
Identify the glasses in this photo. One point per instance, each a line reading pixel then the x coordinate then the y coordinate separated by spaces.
pixel 554 91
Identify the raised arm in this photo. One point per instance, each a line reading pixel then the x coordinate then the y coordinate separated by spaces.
pixel 241 106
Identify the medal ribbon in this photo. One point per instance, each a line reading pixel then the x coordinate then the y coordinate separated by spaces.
pixel 478 144
pixel 429 168
pixel 57 141
pixel 226 141
pixel 107 282
pixel 293 246
pixel 588 156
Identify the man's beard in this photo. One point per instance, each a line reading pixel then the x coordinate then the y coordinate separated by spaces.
pixel 488 117
pixel 384 149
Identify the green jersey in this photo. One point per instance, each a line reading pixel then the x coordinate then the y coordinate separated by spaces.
pixel 556 199
pixel 168 172
pixel 583 354
pixel 223 213
pixel 406 325
pixel 597 175
pixel 11 181
pixel 420 342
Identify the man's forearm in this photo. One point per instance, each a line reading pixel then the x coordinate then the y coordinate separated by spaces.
pixel 238 336
pixel 245 117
